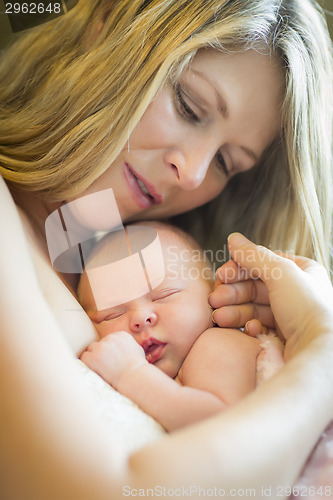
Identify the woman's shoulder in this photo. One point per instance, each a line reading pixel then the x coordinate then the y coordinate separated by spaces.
pixel 77 327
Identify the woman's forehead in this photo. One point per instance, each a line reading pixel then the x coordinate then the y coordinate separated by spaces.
pixel 247 86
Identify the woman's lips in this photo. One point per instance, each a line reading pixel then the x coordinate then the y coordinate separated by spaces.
pixel 153 349
pixel 143 192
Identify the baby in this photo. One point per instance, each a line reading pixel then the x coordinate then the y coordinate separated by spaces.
pixel 161 349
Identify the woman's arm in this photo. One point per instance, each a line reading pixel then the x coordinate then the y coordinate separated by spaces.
pixel 50 436
pixel 53 444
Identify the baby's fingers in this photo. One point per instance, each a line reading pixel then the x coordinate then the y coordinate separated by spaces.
pixel 254 327
pixel 89 359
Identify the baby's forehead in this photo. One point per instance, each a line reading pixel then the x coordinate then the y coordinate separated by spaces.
pixel 132 261
pixel 137 239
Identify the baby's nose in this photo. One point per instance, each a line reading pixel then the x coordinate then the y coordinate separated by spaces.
pixel 142 319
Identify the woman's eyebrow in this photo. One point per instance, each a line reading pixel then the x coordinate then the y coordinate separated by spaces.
pixel 250 153
pixel 223 109
pixel 222 105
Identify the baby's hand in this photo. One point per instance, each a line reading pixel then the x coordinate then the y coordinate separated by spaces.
pixel 254 327
pixel 114 356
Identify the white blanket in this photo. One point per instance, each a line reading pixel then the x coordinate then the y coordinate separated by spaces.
pixel 133 427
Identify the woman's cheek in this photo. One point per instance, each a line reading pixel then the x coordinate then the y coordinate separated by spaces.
pixel 157 125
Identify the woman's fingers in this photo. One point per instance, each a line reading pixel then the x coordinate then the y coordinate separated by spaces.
pixel 256 261
pixel 238 299
pixel 239 293
pixel 230 272
pixel 237 316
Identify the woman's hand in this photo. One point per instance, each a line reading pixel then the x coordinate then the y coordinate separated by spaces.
pixel 295 294
pixel 238 299
pixel 113 357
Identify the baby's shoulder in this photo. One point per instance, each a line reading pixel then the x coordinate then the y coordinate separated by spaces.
pixel 222 343
pixel 227 336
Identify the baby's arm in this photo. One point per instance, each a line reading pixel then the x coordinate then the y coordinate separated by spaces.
pixel 121 362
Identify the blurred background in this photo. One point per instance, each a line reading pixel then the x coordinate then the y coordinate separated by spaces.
pixel 6 32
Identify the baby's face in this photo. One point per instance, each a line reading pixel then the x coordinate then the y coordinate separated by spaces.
pixel 167 321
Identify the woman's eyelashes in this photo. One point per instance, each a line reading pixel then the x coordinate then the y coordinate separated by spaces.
pixel 221 163
pixel 183 108
pixel 186 112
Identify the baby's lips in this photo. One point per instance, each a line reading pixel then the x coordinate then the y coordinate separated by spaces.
pixel 145 344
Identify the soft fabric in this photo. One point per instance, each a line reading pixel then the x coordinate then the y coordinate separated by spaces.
pixel 137 429
pixel 133 427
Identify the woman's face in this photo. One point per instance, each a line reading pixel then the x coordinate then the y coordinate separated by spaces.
pixel 193 138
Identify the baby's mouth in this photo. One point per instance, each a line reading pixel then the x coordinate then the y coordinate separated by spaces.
pixel 153 349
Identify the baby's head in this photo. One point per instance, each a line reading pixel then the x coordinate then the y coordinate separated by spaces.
pixel 168 320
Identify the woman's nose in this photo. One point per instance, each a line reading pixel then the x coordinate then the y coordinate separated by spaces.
pixel 141 319
pixel 190 169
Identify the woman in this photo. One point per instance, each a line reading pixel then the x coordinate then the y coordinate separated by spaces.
pixel 97 103
pixel 108 50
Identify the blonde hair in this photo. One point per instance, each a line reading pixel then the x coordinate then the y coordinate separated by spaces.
pixel 71 96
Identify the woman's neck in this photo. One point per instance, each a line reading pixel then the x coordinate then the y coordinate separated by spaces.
pixel 36 209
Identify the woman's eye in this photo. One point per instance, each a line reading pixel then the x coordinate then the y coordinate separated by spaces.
pixel 221 163
pixel 183 108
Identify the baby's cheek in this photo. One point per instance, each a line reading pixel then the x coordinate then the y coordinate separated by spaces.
pixel 206 319
pixel 106 327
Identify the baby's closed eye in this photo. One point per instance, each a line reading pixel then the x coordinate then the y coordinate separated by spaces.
pixel 113 315
pixel 108 315
pixel 163 294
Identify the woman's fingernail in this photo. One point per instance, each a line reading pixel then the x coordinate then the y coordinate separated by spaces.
pixel 213 320
pixel 235 239
pixel 246 329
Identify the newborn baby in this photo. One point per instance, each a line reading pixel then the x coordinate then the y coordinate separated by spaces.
pixel 161 349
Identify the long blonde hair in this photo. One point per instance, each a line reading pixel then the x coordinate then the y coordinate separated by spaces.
pixel 73 89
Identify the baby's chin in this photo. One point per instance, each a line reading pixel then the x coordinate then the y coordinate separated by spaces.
pixel 166 367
